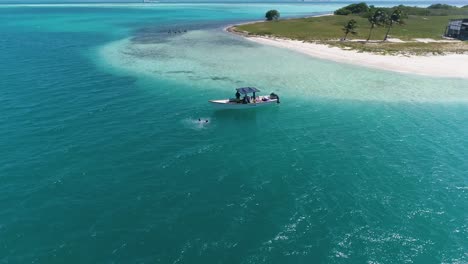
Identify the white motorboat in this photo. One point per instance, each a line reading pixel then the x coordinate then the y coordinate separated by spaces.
pixel 247 101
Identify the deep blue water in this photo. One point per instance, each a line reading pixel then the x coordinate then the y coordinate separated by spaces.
pixel 104 161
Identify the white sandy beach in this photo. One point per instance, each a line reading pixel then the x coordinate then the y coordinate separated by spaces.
pixel 450 65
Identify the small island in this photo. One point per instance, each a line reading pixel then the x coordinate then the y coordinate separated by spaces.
pixel 401 38
pixel 417 31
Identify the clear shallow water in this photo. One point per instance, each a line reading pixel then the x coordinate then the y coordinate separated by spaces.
pixel 103 158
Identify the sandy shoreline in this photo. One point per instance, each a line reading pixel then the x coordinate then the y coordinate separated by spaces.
pixel 450 65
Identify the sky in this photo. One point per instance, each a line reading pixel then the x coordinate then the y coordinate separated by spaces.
pixel 456 2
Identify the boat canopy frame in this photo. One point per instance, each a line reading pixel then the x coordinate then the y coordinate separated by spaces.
pixel 247 90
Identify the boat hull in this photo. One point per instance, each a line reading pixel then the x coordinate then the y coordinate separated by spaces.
pixel 225 104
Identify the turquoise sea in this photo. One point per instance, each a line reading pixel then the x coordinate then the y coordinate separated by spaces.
pixel 103 159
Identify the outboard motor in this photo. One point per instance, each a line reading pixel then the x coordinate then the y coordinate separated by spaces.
pixel 275 96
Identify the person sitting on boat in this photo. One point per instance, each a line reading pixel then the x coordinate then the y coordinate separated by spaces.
pixel 246 99
pixel 238 95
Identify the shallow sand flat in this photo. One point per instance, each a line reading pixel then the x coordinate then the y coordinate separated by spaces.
pixel 451 65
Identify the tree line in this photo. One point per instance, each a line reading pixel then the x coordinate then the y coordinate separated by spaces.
pixel 376 18
pixel 363 10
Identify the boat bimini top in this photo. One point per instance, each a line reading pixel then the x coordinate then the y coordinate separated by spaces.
pixel 246 90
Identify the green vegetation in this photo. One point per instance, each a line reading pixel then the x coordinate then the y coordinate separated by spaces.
pixel 433 10
pixel 441 6
pixel 377 18
pixel 329 28
pixel 395 18
pixel 272 15
pixel 437 11
pixel 350 27
pixel 360 8
pixel 375 25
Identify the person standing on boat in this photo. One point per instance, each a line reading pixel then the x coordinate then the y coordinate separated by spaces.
pixel 238 95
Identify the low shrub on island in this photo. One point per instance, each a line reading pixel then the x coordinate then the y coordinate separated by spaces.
pixel 360 8
pixel 441 6
pixel 272 15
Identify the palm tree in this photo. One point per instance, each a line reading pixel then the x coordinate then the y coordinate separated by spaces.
pixel 350 27
pixel 394 18
pixel 376 19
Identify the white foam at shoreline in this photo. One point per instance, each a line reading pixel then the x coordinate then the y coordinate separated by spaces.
pixel 217 60
pixel 451 65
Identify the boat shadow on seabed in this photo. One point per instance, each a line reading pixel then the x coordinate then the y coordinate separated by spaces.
pixel 245 115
